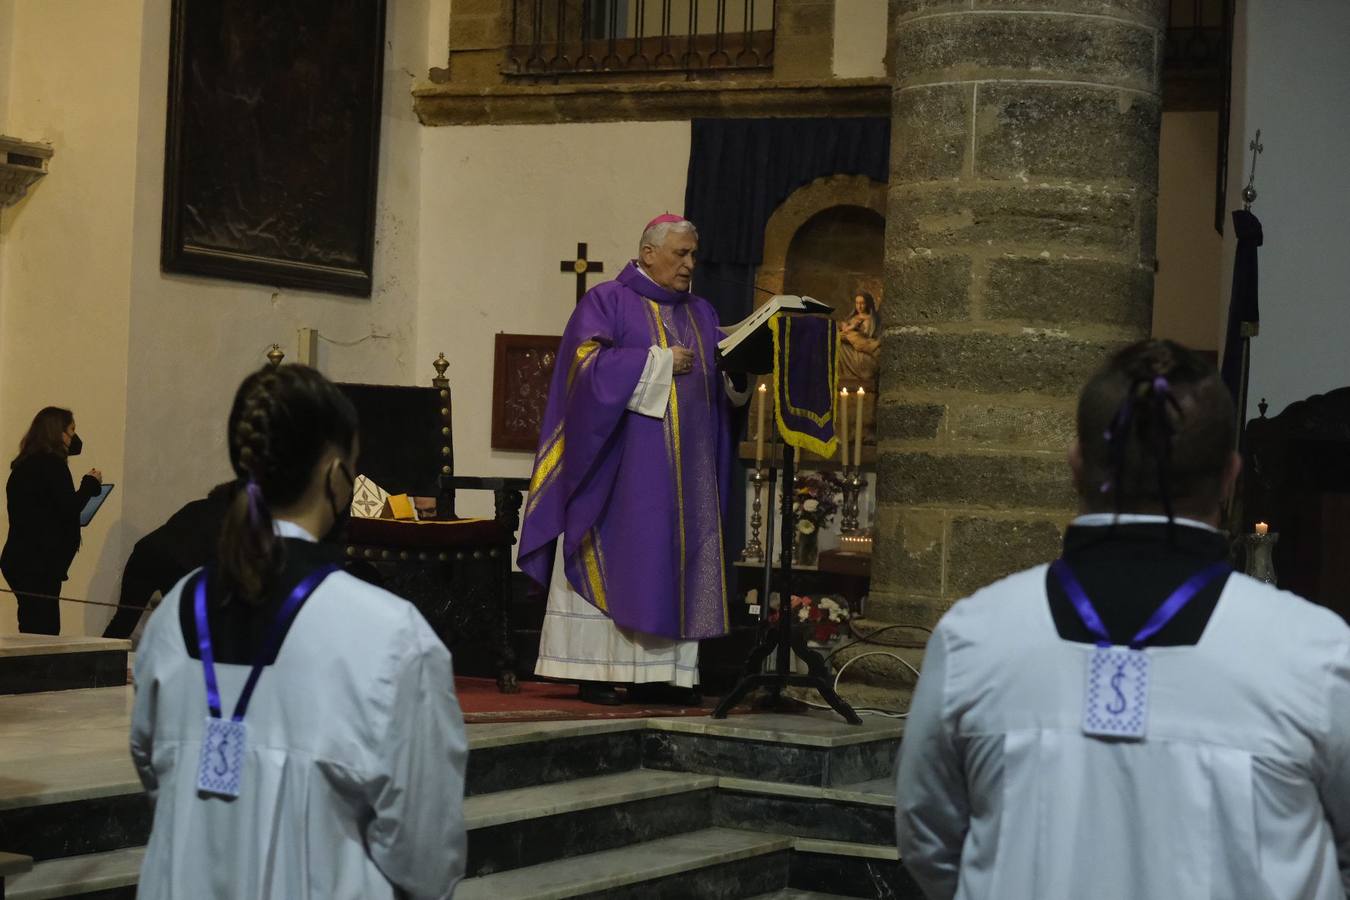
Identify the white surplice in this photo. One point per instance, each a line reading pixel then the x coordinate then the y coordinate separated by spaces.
pixel 353 780
pixel 1239 791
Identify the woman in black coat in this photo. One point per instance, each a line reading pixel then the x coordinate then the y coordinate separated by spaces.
pixel 44 518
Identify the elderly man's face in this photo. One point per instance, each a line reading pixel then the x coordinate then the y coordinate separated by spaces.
pixel 672 264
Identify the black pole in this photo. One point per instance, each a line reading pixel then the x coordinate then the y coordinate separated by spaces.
pixel 784 639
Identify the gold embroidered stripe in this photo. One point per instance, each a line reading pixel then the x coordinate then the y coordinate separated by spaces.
pixel 679 468
pixel 590 561
pixel 546 466
pixel 584 356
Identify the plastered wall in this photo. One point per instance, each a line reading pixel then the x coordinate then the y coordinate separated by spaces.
pixel 1185 291
pixel 149 361
pixel 1291 79
pixel 859 38
pixel 501 207
pixel 65 251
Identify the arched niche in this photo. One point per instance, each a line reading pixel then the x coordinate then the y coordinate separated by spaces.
pixel 826 240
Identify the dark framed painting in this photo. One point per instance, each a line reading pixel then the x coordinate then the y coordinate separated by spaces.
pixel 521 374
pixel 272 145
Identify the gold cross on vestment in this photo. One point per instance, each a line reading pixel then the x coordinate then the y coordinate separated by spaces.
pixel 580 267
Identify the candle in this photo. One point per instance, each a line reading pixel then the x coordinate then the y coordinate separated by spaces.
pixel 759 425
pixel 842 430
pixel 1262 528
pixel 857 443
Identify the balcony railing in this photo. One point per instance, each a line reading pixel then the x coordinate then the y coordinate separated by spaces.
pixel 578 37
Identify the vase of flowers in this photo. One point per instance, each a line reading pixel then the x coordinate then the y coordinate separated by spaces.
pixel 815 507
pixel 823 619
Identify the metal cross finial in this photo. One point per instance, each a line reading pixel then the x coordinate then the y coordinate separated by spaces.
pixel 1249 192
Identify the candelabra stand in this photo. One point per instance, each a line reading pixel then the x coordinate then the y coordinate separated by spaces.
pixel 754 550
pixel 853 487
pixel 1260 559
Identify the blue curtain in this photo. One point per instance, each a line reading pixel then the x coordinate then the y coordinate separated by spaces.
pixel 741 170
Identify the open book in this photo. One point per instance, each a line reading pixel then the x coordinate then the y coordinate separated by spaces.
pixel 748 346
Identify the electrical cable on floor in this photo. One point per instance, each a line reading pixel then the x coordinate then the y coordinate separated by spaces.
pixel 868 638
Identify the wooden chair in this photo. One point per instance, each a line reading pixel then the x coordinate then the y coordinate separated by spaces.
pixel 456 571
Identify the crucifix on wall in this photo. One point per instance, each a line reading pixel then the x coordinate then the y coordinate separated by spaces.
pixel 580 267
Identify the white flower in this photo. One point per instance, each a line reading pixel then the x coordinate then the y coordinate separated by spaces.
pixel 796 507
pixel 811 505
pixel 806 526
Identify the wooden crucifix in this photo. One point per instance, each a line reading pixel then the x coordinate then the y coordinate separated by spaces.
pixel 581 266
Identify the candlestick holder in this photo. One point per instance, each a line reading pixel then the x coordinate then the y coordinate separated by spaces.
pixel 1260 556
pixel 853 486
pixel 754 550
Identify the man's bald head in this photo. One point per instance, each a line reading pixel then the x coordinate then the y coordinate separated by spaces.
pixel 666 253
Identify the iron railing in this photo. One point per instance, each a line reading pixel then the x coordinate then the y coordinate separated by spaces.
pixel 577 37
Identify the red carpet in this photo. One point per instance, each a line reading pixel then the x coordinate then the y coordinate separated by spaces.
pixel 540 701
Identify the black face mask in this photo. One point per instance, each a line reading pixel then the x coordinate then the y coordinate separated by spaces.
pixel 341 513
pixel 76 446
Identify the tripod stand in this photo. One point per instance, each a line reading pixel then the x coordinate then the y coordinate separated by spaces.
pixel 782 638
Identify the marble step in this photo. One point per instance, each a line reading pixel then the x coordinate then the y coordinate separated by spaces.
pixel 105 875
pixel 712 862
pixel 817 749
pixel 34 663
pixel 528 826
pixel 851 869
pixel 511 756
pixel 794 894
pixel 863 814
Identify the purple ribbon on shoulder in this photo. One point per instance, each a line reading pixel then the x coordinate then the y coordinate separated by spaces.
pixel 1175 602
pixel 270 646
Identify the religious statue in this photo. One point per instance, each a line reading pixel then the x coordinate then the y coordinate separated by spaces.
pixel 860 342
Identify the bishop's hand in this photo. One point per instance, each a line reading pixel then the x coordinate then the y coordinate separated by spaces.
pixel 683 360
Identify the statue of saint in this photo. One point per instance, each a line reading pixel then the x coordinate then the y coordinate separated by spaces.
pixel 860 342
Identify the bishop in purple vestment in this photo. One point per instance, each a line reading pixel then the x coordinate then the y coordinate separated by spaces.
pixel 631 478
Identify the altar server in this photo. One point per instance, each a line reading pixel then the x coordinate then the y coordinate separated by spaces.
pixel 296 728
pixel 624 523
pixel 1135 720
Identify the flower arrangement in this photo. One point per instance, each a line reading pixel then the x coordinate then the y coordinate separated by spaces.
pixel 825 616
pixel 815 505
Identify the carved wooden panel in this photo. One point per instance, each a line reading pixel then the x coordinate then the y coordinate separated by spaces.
pixel 522 372
pixel 273 141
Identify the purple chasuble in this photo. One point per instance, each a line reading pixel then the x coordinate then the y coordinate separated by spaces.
pixel 637 501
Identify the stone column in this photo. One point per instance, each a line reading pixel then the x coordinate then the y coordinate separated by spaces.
pixel 1019 252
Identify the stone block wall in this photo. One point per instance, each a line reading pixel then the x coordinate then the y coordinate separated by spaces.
pixel 1019 253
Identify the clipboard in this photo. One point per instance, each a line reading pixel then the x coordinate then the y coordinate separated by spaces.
pixel 87 514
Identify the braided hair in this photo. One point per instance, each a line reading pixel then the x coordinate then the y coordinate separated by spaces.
pixel 1156 428
pixel 282 422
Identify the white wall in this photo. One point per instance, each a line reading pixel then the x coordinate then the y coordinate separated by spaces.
pixel 148 361
pixel 193 339
pixel 1292 81
pixel 860 30
pixel 1186 290
pixel 501 206
pixel 66 248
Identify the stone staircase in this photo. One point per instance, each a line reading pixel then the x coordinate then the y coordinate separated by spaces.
pixel 756 806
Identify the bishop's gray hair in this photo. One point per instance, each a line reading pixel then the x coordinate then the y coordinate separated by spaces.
pixel 656 235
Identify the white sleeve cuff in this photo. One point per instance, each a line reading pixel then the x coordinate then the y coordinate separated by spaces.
pixel 652 393
pixel 739 398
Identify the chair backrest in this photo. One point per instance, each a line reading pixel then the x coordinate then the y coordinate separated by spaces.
pixel 407 444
